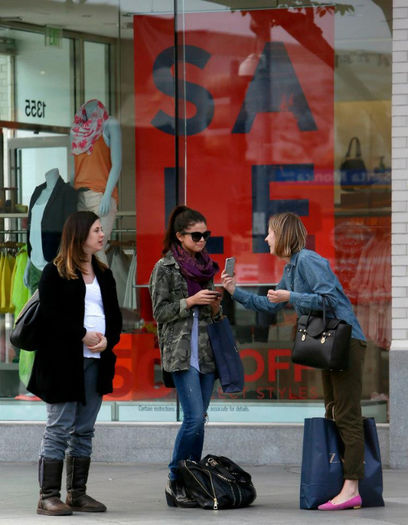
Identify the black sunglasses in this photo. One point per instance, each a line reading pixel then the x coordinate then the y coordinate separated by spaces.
pixel 196 236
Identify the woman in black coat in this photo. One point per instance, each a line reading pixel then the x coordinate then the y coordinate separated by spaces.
pixel 74 365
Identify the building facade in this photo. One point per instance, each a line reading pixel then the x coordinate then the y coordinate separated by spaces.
pixel 240 110
pixel 399 354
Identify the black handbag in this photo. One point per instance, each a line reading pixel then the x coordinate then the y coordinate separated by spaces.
pixel 27 328
pixel 216 482
pixel 353 171
pixel 322 342
pixel 226 354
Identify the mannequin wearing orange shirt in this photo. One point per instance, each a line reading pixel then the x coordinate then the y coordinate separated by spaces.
pixel 97 149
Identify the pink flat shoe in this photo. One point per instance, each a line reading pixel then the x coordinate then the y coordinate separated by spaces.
pixel 353 503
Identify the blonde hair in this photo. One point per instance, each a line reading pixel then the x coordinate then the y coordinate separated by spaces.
pixel 290 233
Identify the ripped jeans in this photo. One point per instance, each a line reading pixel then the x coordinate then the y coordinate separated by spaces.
pixel 194 390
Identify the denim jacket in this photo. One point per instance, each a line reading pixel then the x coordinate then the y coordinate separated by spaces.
pixel 168 290
pixel 307 276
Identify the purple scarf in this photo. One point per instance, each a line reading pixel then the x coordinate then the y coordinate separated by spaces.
pixel 197 270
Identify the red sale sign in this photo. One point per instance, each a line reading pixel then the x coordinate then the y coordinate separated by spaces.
pixel 235 118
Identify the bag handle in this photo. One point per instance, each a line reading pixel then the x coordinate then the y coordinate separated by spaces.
pixel 358 147
pixel 323 309
pixel 326 304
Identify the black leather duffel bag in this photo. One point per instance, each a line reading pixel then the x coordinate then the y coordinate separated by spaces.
pixel 216 482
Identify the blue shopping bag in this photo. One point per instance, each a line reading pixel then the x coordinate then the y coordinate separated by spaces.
pixel 371 486
pixel 226 354
pixel 322 467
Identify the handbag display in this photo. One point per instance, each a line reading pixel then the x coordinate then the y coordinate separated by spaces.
pixel 322 466
pixel 226 354
pixel 27 328
pixel 322 342
pixel 353 171
pixel 216 482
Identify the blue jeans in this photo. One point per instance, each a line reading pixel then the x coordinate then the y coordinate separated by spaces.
pixel 194 390
pixel 71 425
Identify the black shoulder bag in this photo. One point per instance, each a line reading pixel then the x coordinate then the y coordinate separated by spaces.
pixel 27 329
pixel 353 170
pixel 322 342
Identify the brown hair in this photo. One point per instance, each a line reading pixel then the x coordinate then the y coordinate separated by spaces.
pixel 71 255
pixel 180 219
pixel 290 233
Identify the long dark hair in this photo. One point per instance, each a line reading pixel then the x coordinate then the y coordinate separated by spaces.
pixel 180 219
pixel 71 256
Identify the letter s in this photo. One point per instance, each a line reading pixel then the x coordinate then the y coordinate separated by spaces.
pixel 199 96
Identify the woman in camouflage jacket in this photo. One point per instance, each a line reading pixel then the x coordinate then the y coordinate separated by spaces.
pixel 184 303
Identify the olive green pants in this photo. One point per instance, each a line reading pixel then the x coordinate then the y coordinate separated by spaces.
pixel 342 390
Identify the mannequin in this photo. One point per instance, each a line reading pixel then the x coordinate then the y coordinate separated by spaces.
pixel 97 150
pixel 37 211
pixel 50 205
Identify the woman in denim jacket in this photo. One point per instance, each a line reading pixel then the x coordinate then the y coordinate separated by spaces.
pixel 184 302
pixel 306 277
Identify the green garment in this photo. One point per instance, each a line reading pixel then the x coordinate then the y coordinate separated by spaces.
pixel 7 262
pixel 19 296
pixel 19 293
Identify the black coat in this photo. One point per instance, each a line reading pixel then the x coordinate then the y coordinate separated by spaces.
pixel 61 203
pixel 57 374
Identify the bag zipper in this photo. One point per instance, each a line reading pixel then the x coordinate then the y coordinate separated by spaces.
pixel 231 483
pixel 213 495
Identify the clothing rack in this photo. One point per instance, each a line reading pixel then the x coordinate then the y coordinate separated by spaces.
pixel 5 232
pixel 11 244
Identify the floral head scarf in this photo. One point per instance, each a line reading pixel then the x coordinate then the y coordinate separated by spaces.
pixel 87 126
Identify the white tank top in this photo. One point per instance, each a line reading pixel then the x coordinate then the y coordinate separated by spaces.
pixel 94 318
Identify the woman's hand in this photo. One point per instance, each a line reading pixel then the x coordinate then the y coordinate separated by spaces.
pixel 203 297
pixel 95 341
pixel 278 296
pixel 91 338
pixel 99 347
pixel 215 305
pixel 228 282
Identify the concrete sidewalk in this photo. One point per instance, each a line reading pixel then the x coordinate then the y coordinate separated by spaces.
pixel 135 494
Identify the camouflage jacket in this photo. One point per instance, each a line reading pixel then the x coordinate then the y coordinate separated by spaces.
pixel 168 290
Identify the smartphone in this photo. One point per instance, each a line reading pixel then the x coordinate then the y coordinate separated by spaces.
pixel 229 265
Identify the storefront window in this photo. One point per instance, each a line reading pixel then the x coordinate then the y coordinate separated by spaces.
pixel 45 74
pixel 238 109
pixel 264 118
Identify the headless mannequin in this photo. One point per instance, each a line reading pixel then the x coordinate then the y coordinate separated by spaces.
pixel 104 206
pixel 112 137
pixel 51 178
pixel 36 261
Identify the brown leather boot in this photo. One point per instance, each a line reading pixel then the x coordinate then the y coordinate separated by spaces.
pixel 49 476
pixel 77 476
